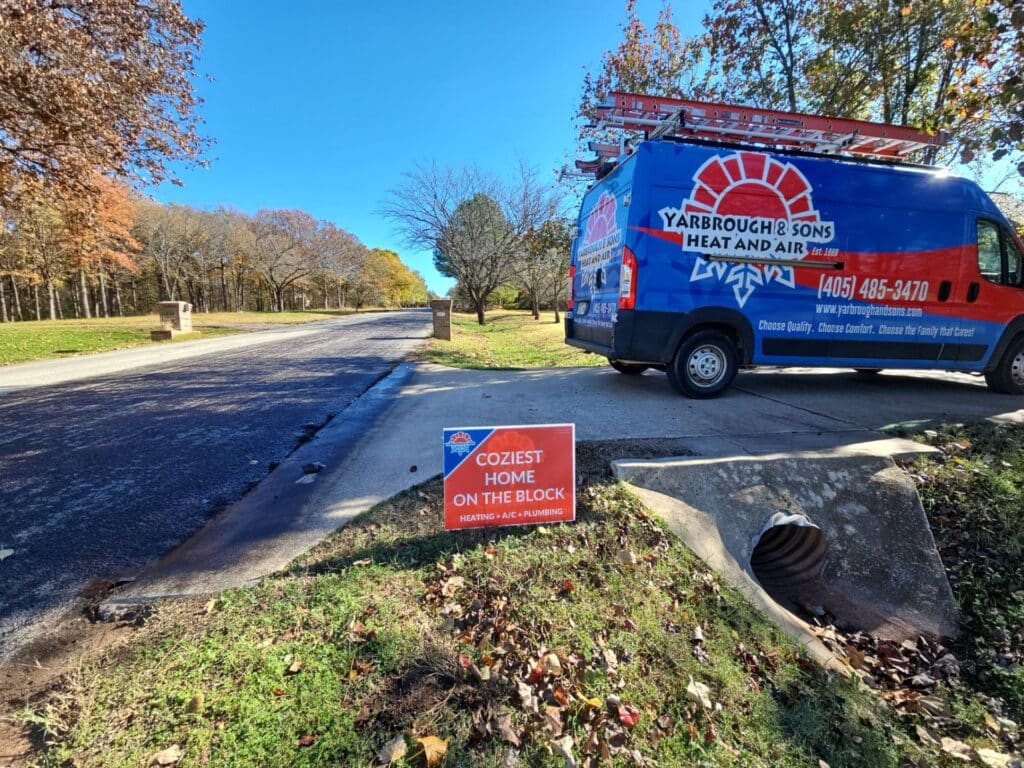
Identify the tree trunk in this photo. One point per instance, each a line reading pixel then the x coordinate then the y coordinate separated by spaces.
pixel 17 299
pixel 85 294
pixel 103 292
pixel 39 310
pixel 480 307
pixel 558 318
pixel 117 298
pixel 53 299
pixel 135 297
pixel 224 287
pixel 535 304
pixel 3 304
pixel 60 308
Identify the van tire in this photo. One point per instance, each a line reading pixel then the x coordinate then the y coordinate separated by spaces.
pixel 705 365
pixel 630 369
pixel 1007 377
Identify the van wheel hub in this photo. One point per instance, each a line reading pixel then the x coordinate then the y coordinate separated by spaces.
pixel 1017 369
pixel 706 365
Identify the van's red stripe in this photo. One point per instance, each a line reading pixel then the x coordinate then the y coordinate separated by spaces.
pixel 995 305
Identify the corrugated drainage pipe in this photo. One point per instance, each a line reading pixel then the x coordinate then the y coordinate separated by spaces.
pixel 788 552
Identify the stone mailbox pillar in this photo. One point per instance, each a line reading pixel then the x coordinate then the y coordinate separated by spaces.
pixel 175 319
pixel 442 310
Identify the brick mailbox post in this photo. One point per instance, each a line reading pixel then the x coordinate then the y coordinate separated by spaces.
pixel 442 311
pixel 175 319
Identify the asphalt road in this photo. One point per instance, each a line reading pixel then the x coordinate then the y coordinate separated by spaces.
pixel 99 477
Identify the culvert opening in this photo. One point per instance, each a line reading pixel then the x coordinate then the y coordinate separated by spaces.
pixel 788 556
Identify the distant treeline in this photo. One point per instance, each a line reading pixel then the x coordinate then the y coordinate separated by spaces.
pixel 128 253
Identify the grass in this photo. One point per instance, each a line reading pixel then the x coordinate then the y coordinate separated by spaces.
pixel 395 627
pixel 34 340
pixel 974 496
pixel 510 339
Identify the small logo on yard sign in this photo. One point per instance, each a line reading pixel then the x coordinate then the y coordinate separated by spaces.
pixel 460 443
pixel 752 206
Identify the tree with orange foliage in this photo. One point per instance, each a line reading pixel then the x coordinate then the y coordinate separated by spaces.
pixel 89 87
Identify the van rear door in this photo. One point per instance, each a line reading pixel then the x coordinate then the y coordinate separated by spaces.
pixel 597 259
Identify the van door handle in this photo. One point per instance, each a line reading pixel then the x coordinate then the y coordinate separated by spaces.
pixel 945 288
pixel 972 291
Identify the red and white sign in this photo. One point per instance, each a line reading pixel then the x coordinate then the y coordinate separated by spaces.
pixel 514 475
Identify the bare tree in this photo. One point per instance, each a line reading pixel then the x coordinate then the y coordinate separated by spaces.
pixel 473 222
pixel 282 248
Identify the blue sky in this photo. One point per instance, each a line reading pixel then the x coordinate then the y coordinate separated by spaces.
pixel 322 105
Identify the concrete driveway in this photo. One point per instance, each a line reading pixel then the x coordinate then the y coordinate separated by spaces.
pixel 390 440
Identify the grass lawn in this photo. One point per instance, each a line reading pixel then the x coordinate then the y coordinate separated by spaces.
pixel 20 342
pixel 605 640
pixel 511 339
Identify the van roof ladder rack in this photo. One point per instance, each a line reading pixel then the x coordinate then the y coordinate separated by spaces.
pixel 659 117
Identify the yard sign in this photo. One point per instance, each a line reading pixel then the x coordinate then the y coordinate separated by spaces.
pixel 519 475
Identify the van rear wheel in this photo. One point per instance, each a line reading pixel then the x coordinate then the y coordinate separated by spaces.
pixel 1008 376
pixel 705 365
pixel 630 369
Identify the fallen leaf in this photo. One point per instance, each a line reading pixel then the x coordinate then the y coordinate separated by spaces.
pixel 626 558
pixel 958 750
pixel 393 751
pixel 294 668
pixel 993 759
pixel 490 552
pixel 629 716
pixel 168 756
pixel 699 693
pixel 563 748
pixel 537 674
pixel 452 585
pixel 527 698
pixel 305 741
pixel 433 750
pixel 196 704
pixel 935 706
pixel 552 664
pixel 278 691
pixel 553 720
pixel 558 694
pixel 360 563
pixel 506 731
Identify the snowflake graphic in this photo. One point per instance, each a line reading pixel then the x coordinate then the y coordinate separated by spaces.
pixel 744 278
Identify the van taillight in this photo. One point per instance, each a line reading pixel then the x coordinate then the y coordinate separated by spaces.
pixel 627 280
pixel 572 286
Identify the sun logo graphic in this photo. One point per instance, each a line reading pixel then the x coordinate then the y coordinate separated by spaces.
pixel 461 443
pixel 601 236
pixel 747 206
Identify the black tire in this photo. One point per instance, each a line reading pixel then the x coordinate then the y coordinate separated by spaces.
pixel 1007 377
pixel 868 371
pixel 705 365
pixel 630 369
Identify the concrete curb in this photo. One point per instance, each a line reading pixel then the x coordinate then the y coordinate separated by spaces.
pixel 271 525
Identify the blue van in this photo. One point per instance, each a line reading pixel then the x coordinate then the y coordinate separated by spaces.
pixel 699 258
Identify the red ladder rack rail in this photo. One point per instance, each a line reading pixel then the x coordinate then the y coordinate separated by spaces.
pixel 658 117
